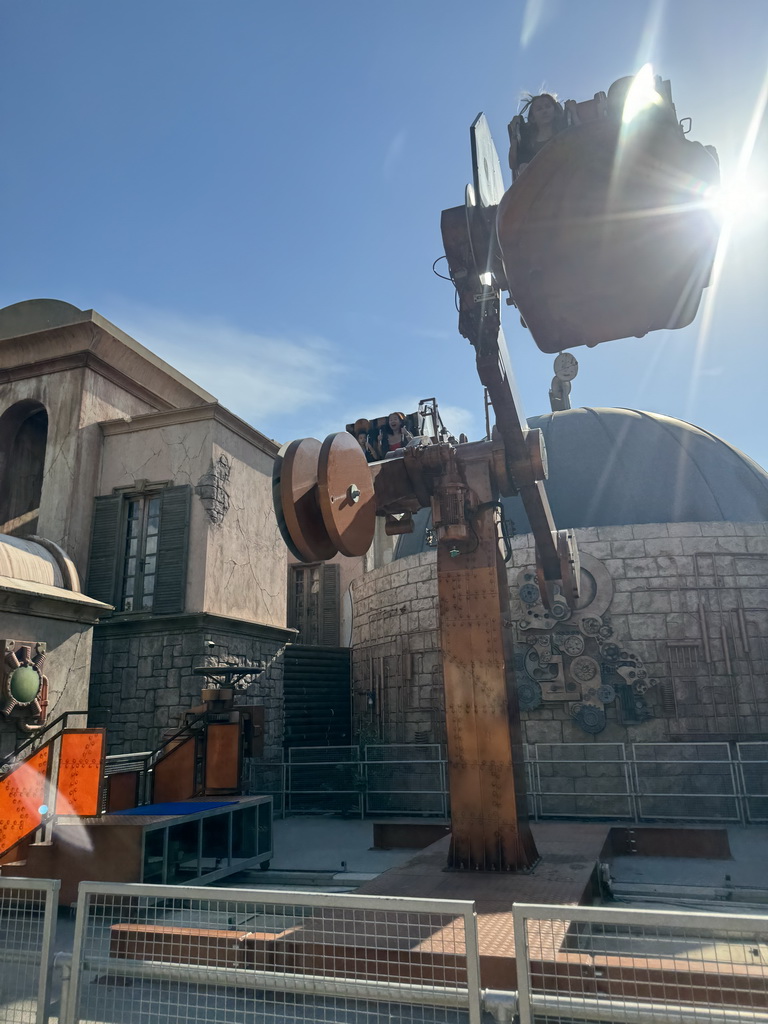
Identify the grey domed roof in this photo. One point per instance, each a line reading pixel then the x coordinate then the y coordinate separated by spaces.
pixel 615 467
pixel 33 315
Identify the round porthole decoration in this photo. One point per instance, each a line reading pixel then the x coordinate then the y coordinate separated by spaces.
pixel 25 684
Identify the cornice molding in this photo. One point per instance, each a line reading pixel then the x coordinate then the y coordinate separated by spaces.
pixel 84 360
pixel 197 622
pixel 193 414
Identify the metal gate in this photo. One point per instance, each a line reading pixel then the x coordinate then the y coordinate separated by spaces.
pixel 27 928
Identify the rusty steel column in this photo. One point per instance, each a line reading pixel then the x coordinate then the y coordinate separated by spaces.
pixel 489 819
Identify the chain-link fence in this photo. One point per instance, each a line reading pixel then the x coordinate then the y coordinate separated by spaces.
pixel 640 966
pixel 151 954
pixel 27 929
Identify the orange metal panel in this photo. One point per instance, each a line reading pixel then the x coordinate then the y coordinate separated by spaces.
pixel 81 769
pixel 174 774
pixel 222 756
pixel 22 796
pixel 122 791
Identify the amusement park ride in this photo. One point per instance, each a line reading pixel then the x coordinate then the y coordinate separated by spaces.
pixel 605 234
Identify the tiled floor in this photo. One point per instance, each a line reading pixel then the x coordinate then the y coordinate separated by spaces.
pixel 568 856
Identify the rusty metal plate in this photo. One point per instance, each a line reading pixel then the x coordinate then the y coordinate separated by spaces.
pixel 295 497
pixel 346 494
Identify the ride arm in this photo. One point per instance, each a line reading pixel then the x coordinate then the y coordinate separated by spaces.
pixel 480 323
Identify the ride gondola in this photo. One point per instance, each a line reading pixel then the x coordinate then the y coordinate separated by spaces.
pixel 610 230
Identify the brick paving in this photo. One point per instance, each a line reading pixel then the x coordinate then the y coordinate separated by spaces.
pixel 569 852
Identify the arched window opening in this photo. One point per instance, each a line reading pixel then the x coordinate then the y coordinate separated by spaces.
pixel 23 438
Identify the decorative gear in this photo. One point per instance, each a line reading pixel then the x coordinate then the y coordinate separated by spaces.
pixel 590 626
pixel 537 669
pixel 584 669
pixel 571 644
pixel 528 694
pixel 588 717
pixel 560 611
pixel 606 693
pixel 529 593
pixel 605 632
pixel 610 653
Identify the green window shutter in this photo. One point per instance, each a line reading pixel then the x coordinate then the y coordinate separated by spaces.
pixel 106 536
pixel 172 544
pixel 329 606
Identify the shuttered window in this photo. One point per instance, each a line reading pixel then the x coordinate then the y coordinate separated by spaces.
pixel 139 547
pixel 314 604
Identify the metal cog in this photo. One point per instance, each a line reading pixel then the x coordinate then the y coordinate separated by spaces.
pixel 528 694
pixel 571 644
pixel 584 668
pixel 611 653
pixel 590 626
pixel 589 718
pixel 606 693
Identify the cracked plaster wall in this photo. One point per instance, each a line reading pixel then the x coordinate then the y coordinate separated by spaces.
pixel 179 453
pixel 661 574
pixel 236 567
pixel 246 561
pixel 67 663
pixel 75 400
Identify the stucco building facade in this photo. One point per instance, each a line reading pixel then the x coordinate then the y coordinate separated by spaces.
pixel 161 498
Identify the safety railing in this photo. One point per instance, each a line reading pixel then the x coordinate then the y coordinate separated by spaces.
pixel 715 782
pixel 146 953
pixel 640 966
pixel 28 909
pixel 410 776
pixel 152 953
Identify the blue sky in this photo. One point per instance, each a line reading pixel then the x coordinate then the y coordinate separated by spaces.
pixel 254 189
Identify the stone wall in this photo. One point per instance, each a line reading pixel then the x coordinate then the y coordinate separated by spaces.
pixel 396 675
pixel 142 677
pixel 673 628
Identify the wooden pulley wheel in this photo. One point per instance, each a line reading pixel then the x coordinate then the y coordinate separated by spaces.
pixel 296 501
pixel 346 494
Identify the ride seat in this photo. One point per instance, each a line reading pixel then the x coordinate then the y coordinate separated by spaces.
pixel 591 110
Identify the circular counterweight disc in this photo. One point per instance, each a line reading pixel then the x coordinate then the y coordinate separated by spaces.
pixel 295 497
pixel 345 490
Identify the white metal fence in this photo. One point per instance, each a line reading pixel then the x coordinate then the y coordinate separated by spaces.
pixel 716 782
pixel 149 954
pixel 27 930
pixel 155 954
pixel 640 966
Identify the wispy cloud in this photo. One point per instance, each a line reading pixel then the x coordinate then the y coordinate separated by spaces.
pixel 393 154
pixel 260 377
pixel 537 14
